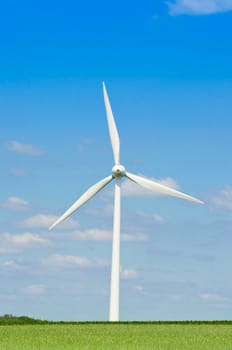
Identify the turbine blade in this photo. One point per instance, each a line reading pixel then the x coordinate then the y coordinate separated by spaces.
pixel 83 199
pixel 155 186
pixel 114 138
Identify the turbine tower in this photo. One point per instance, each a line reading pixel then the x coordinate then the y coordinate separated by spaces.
pixel 118 172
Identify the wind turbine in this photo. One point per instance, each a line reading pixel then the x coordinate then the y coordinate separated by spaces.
pixel 118 172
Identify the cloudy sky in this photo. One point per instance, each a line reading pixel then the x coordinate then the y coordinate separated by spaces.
pixel 167 68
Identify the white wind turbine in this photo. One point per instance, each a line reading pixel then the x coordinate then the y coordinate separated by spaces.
pixel 118 172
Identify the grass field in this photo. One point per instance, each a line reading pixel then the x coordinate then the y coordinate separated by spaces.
pixel 99 336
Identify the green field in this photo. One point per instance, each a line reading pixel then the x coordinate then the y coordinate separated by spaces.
pixel 120 336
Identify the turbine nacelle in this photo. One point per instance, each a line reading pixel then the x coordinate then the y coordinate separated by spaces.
pixel 118 171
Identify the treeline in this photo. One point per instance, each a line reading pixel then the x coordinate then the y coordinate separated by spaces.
pixel 9 319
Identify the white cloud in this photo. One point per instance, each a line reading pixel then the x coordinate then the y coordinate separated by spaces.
pixel 81 147
pixel 35 289
pixel 156 218
pixel 26 239
pixel 211 297
pixel 45 221
pixel 127 273
pixel 223 199
pixel 140 289
pixel 57 260
pixel 129 188
pixel 11 243
pixel 198 7
pixel 105 211
pixel 92 235
pixel 18 147
pixel 128 237
pixel 15 203
pixel 18 172
pixel 105 235
pixel 13 265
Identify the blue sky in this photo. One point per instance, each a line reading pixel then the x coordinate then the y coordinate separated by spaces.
pixel 167 68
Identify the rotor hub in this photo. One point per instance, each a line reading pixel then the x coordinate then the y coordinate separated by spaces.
pixel 118 171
